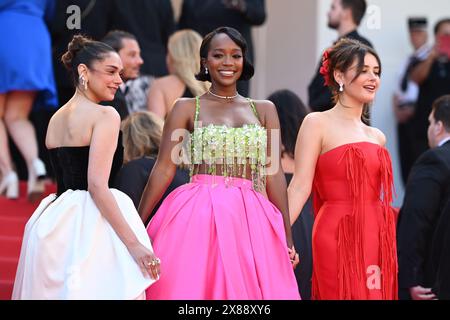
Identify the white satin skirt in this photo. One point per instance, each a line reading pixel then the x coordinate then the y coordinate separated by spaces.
pixel 70 251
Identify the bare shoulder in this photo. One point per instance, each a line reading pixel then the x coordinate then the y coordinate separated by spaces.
pixel 182 112
pixel 378 135
pixel 267 113
pixel 315 119
pixel 166 83
pixel 56 117
pixel 105 125
pixel 159 83
pixel 264 107
pixel 56 126
pixel 313 126
pixel 263 104
pixel 169 79
pixel 106 114
pixel 184 105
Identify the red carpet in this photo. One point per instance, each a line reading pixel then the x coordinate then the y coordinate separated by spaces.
pixel 14 214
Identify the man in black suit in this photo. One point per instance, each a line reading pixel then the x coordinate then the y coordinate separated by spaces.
pixel 151 22
pixel 440 255
pixel 427 192
pixel 129 51
pixel 344 16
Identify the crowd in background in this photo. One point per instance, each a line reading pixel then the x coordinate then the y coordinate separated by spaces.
pixel 160 59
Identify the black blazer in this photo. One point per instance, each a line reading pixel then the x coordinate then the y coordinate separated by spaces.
pixel 436 84
pixel 440 255
pixel 427 192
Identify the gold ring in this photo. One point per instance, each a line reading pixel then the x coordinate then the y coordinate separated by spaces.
pixel 155 262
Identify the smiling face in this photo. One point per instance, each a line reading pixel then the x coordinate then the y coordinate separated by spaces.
pixel 131 58
pixel 104 77
pixel 364 87
pixel 225 60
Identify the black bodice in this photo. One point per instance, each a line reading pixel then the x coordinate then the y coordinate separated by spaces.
pixel 70 165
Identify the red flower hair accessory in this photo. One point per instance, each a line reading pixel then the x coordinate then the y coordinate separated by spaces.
pixel 325 68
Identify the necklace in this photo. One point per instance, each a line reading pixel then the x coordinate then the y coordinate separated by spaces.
pixel 223 97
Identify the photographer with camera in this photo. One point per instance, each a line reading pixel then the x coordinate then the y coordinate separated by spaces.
pixel 433 77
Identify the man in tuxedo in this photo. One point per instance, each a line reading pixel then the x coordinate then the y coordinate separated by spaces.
pixel 427 192
pixel 344 16
pixel 129 51
pixel 441 255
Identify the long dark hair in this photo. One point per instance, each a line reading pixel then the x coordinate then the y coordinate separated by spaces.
pixel 291 112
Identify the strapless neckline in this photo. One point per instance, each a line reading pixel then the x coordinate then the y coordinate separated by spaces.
pixel 349 144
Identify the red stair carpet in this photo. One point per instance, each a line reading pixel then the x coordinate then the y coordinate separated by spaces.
pixel 14 214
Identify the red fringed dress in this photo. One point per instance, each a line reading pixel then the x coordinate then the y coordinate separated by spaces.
pixel 354 241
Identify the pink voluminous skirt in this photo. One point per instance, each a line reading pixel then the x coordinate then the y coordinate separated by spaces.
pixel 217 238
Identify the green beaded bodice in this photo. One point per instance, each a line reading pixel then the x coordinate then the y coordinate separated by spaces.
pixel 232 148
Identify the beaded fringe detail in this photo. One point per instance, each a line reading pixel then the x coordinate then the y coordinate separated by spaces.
pixel 234 148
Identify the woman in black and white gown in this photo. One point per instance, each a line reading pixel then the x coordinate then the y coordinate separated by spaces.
pixel 87 241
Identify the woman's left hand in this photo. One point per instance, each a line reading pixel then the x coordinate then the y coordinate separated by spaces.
pixel 293 255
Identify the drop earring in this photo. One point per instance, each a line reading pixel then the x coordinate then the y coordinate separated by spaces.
pixel 341 87
pixel 206 70
pixel 83 82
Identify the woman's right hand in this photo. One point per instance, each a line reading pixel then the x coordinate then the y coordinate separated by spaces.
pixel 421 293
pixel 150 265
pixel 293 255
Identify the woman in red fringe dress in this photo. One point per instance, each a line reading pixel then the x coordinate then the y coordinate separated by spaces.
pixel 342 160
